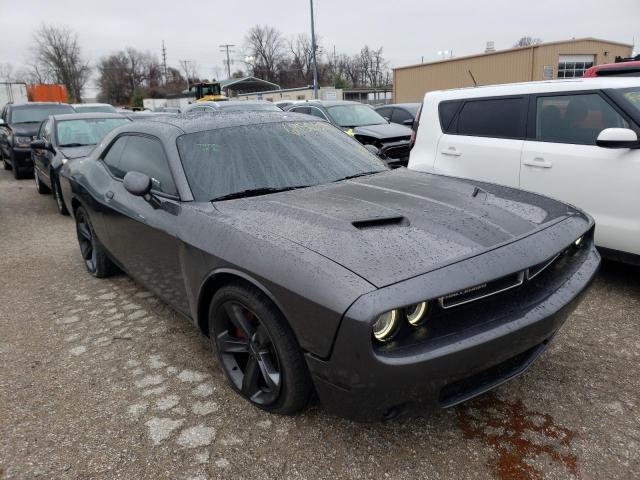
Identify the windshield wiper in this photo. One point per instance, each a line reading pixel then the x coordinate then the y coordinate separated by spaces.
pixel 254 192
pixel 356 175
pixel 76 145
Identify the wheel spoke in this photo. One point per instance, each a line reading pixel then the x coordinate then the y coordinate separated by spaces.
pixel 229 344
pixel 86 250
pixel 269 373
pixel 236 314
pixel 250 379
pixel 84 231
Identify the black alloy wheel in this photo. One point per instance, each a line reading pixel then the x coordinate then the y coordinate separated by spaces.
pixel 247 352
pixel 257 350
pixel 57 195
pixel 86 239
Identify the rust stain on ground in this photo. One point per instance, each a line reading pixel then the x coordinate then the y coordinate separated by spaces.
pixel 518 436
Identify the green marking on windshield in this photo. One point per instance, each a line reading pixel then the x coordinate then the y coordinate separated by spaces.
pixel 208 147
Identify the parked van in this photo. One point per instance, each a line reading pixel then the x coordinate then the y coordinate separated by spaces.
pixel 575 140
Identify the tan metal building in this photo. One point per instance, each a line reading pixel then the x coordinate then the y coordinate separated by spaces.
pixel 566 59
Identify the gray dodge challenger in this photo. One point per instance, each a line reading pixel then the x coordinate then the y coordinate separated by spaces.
pixel 312 267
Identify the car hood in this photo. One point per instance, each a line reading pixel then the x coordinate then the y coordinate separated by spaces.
pixel 383 131
pixel 77 152
pixel 399 224
pixel 25 129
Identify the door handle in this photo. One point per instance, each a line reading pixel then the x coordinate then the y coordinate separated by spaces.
pixel 451 151
pixel 538 162
pixel 109 194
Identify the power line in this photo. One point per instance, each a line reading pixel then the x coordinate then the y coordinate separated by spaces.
pixel 227 48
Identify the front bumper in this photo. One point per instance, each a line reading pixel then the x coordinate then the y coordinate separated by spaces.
pixel 22 157
pixel 362 382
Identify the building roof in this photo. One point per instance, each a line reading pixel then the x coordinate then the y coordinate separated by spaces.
pixel 506 50
pixel 248 83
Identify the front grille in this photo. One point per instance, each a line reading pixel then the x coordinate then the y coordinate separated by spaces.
pixel 400 151
pixel 481 291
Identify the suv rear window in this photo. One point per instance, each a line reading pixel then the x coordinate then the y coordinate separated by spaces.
pixel 500 118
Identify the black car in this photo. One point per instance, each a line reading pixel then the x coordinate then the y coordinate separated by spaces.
pixel 312 265
pixel 19 123
pixel 400 113
pixel 65 137
pixel 364 124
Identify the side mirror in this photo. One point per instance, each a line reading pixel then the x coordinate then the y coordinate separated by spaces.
pixel 39 144
pixel 408 122
pixel 617 138
pixel 1 122
pixel 387 119
pixel 137 184
pixel 373 149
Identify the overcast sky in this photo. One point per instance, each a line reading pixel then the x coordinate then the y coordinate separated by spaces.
pixel 407 29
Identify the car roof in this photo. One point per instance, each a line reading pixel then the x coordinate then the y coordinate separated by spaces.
pixel 87 116
pixel 329 103
pixel 406 105
pixel 26 104
pixel 193 122
pixel 524 88
pixel 92 105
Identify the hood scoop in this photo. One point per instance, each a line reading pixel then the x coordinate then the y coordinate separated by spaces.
pixel 381 222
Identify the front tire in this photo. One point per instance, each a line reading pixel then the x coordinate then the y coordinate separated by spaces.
pixel 93 253
pixel 40 187
pixel 17 174
pixel 257 350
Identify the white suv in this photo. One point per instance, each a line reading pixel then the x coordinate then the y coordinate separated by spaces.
pixel 575 140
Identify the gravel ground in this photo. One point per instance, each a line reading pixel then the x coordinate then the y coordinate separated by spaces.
pixel 101 380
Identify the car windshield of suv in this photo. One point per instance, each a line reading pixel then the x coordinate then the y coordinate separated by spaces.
pixel 249 107
pixel 95 109
pixel 270 157
pixel 355 116
pixel 90 131
pixel 37 113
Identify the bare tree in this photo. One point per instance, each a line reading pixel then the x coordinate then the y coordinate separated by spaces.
pixel 58 56
pixel 527 41
pixel 190 69
pixel 266 45
pixel 124 73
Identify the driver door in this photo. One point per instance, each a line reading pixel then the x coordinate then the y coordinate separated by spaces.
pixel 143 239
pixel 564 162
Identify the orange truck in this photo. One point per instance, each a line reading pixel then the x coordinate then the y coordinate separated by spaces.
pixel 47 93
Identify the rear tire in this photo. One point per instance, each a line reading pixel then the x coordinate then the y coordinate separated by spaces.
pixel 57 195
pixel 93 253
pixel 257 350
pixel 40 187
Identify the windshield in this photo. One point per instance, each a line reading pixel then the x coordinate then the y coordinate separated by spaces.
pixel 37 113
pixel 95 109
pixel 355 116
pixel 270 156
pixel 248 107
pixel 88 131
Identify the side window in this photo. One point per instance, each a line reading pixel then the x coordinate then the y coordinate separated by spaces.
pixel 146 155
pixel 499 118
pixel 447 111
pixel 46 130
pixel 316 112
pixel 113 156
pixel 400 116
pixel 300 110
pixel 576 119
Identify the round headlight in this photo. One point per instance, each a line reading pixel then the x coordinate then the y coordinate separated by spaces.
pixel 385 326
pixel 417 314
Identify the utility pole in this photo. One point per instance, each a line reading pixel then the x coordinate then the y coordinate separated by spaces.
pixel 164 62
pixel 185 66
pixel 226 48
pixel 313 54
